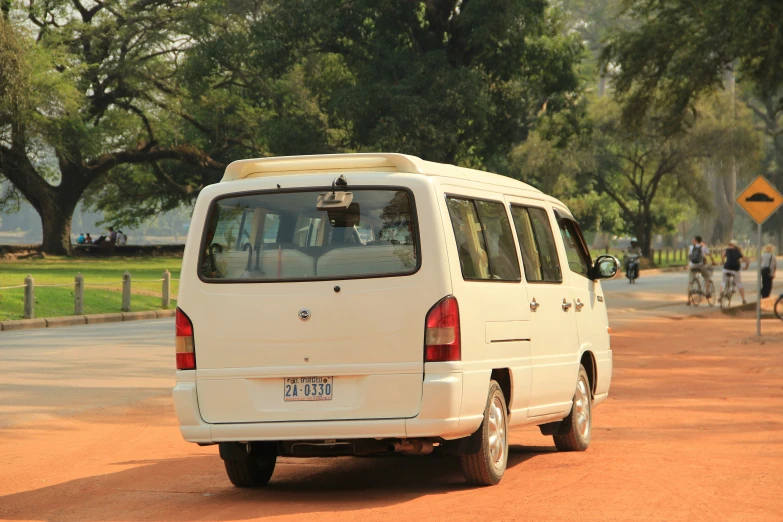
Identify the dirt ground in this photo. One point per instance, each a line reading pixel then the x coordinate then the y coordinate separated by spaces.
pixel 693 430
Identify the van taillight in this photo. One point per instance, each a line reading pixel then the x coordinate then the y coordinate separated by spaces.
pixel 186 350
pixel 441 337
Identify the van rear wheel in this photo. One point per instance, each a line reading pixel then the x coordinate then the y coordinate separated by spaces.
pixel 253 471
pixel 577 427
pixel 486 467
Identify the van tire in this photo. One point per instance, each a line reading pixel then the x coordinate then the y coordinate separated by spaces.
pixel 483 468
pixel 577 429
pixel 254 471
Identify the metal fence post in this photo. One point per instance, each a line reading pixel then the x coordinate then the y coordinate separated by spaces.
pixel 29 297
pixel 78 294
pixel 126 291
pixel 166 291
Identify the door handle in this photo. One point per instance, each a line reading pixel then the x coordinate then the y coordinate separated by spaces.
pixel 566 305
pixel 579 304
pixel 534 305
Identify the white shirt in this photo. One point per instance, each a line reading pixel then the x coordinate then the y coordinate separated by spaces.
pixel 704 253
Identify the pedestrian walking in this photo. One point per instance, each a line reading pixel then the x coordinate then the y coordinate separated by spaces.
pixel 768 269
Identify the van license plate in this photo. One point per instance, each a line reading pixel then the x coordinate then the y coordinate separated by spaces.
pixel 308 388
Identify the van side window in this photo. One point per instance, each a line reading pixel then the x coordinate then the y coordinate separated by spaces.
pixel 484 240
pixel 576 249
pixel 539 254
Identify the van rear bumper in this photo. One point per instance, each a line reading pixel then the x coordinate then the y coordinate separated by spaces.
pixel 439 416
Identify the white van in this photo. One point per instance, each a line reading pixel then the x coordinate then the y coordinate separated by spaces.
pixel 361 304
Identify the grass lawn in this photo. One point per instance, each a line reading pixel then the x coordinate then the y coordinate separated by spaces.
pixel 105 273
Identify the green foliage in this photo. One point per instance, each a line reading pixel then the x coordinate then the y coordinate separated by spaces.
pixel 555 170
pixel 641 182
pixel 679 50
pixel 445 80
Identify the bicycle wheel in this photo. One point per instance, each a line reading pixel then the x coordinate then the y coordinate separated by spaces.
pixel 725 297
pixel 694 292
pixel 779 307
pixel 711 296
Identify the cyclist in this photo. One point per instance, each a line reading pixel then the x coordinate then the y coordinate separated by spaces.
pixel 732 258
pixel 697 260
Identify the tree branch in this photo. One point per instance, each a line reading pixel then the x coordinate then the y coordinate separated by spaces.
pixel 184 153
pixel 130 107
pixel 612 193
pixel 168 181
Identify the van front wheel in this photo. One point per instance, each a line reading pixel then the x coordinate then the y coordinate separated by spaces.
pixel 577 427
pixel 253 471
pixel 486 467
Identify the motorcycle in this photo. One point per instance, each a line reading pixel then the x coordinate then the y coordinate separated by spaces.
pixel 632 267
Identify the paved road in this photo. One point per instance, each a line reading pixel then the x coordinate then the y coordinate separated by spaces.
pixel 64 371
pixel 664 295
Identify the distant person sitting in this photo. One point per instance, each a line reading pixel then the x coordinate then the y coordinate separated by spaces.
pixel 109 238
pixel 80 240
pixel 88 239
pixel 122 239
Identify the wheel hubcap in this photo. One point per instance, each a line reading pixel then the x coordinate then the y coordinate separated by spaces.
pixel 497 433
pixel 582 409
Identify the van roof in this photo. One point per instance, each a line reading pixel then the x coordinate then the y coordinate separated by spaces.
pixel 360 162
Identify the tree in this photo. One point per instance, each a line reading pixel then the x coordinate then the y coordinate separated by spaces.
pixel 447 80
pixel 555 170
pixel 651 178
pixel 92 96
pixel 678 50
pixel 163 93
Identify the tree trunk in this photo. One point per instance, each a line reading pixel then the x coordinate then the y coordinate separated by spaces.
pixel 56 224
pixel 644 235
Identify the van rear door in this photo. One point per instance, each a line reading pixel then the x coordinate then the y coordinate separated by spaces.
pixel 304 314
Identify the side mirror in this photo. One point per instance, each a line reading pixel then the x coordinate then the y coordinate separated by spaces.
pixel 606 267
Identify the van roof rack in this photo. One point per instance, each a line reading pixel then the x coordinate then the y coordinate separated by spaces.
pixel 359 162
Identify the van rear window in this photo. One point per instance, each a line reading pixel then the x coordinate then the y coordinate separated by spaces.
pixel 284 236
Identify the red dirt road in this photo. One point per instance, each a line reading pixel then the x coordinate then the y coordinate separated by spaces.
pixel 693 430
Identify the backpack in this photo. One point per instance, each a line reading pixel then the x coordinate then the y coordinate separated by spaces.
pixel 697 255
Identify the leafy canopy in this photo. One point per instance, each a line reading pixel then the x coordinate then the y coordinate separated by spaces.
pixel 679 50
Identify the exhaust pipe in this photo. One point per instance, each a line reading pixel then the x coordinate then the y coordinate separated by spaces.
pixel 413 447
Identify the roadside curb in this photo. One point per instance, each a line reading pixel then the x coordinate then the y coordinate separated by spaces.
pixel 74 320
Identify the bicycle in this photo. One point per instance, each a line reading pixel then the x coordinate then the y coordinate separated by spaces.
pixel 698 287
pixel 778 309
pixel 729 290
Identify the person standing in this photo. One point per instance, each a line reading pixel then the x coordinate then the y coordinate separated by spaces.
pixel 769 266
pixel 697 260
pixel 732 263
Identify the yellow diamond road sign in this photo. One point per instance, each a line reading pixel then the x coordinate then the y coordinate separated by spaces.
pixel 760 199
